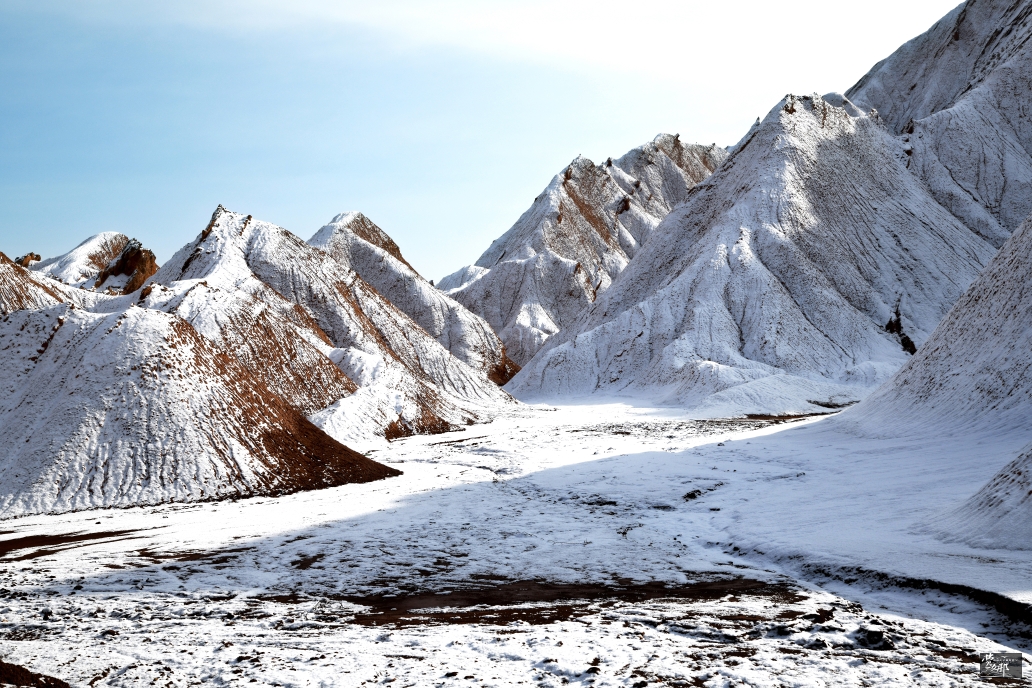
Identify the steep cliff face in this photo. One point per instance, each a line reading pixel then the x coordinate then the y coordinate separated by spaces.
pixel 579 234
pixel 135 407
pixel 354 241
pixel 785 283
pixel 959 96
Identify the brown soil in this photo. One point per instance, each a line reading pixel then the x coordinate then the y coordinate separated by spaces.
pixel 14 675
pixel 504 370
pixel 296 454
pixel 782 418
pixel 49 544
pixel 538 602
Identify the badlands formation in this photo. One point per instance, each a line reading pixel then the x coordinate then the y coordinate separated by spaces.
pixel 755 415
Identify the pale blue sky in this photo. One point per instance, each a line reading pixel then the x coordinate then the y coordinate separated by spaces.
pixel 441 121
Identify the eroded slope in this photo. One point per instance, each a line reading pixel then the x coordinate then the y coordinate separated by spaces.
pixel 579 234
pixel 135 407
pixel 355 241
pixel 785 283
pixel 959 95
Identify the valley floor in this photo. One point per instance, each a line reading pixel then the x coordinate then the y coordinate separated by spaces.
pixel 599 545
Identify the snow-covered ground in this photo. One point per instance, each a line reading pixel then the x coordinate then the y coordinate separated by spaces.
pixel 650 549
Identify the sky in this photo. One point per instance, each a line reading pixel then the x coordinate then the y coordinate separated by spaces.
pixel 441 120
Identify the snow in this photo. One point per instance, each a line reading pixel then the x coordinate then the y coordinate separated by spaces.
pixel 958 95
pixel 81 266
pixel 770 290
pixel 139 409
pixel 353 240
pixel 575 239
pixel 290 590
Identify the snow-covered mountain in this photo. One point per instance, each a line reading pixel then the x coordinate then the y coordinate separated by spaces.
pixel 975 371
pixel 134 407
pixel 353 240
pixel 317 333
pixel 959 95
pixel 107 262
pixel 20 288
pixel 81 266
pixel 579 234
pixel 973 376
pixel 795 278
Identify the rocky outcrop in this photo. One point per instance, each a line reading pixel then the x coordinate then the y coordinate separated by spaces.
pixel 354 241
pixel 771 289
pixel 27 260
pixel 579 234
pixel 127 272
pixel 81 266
pixel 958 95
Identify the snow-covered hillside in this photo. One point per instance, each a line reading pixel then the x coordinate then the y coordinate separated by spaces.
pixel 975 371
pixel 134 407
pixel 795 278
pixel 959 95
pixel 20 288
pixel 107 262
pixel 578 235
pixel 353 240
pixel 197 383
pixel 81 266
pixel 973 377
pixel 316 332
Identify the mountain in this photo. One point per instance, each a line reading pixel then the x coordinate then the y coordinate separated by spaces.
pixel 315 332
pixel 134 407
pixel 356 242
pixel 108 262
pixel 973 377
pixel 579 234
pixel 20 288
pixel 81 266
pixel 794 279
pixel 959 97
pixel 975 370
